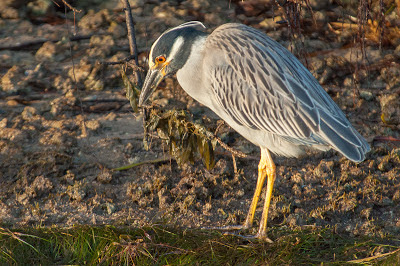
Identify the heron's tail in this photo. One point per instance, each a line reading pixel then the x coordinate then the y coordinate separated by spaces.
pixel 343 137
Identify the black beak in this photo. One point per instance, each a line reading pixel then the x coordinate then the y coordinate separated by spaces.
pixel 153 78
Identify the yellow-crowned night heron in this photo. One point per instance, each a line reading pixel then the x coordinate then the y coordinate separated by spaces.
pixel 260 89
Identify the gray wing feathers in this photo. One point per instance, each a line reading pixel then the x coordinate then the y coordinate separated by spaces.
pixel 257 109
pixel 263 86
pixel 343 138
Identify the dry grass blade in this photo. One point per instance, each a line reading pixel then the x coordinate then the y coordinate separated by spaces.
pixel 129 166
pixel 371 30
pixel 380 256
pixel 370 24
pixel 17 236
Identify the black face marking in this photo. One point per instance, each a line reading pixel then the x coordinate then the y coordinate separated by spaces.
pixel 167 40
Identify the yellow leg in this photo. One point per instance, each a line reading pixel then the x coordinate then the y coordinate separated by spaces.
pixel 270 169
pixel 266 167
pixel 262 173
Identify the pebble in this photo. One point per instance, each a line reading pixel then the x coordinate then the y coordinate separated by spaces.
pixel 12 103
pixel 50 51
pixel 11 82
pixel 397 51
pixel 3 123
pixel 77 191
pixel 390 106
pixel 270 23
pixel 110 208
pixel 105 176
pixel 366 95
pixel 29 113
pixel 40 8
pixel 94 20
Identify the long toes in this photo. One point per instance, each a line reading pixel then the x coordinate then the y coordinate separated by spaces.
pixel 228 227
pixel 257 237
pixel 263 237
pixel 250 237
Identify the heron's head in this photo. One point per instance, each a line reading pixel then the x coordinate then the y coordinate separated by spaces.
pixel 168 54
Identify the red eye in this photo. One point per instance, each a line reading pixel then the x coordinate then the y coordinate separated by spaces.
pixel 160 59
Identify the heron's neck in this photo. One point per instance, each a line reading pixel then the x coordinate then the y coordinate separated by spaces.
pixel 190 76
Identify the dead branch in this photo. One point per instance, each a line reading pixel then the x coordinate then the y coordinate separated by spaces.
pixel 132 40
pixel 71 7
pixel 126 60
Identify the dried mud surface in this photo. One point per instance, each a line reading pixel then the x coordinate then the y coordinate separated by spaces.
pixel 65 124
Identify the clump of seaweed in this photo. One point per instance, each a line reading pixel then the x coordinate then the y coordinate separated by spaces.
pixel 132 93
pixel 186 140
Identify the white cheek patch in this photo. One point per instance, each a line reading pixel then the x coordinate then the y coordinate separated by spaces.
pixel 151 63
pixel 175 48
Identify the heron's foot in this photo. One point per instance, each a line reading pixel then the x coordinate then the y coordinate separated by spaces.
pixel 251 237
pixel 263 237
pixel 229 227
pixel 239 228
pixel 226 228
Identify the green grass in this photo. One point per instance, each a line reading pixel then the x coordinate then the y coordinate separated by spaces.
pixel 160 245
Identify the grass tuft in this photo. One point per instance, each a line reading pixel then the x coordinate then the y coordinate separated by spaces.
pixel 161 245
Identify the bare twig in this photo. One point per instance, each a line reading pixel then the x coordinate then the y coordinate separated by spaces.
pixel 291 10
pixel 226 147
pixel 235 171
pixel 231 150
pixel 132 39
pixel 71 7
pixel 363 13
pixel 382 19
pixel 120 62
pixel 159 160
pixel 385 139
pixel 126 60
pixel 365 260
pixel 134 52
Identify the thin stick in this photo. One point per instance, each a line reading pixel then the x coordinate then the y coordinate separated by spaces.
pixel 71 7
pixel 235 171
pixel 132 40
pixel 129 166
pixel 374 257
pixel 231 150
